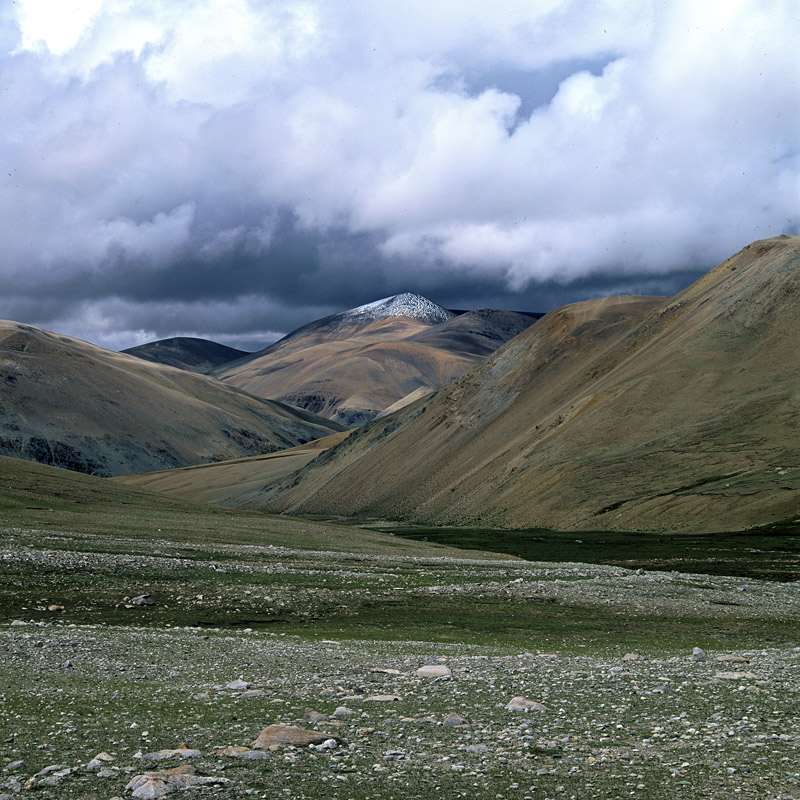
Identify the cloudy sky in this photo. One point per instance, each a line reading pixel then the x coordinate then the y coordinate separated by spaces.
pixel 235 168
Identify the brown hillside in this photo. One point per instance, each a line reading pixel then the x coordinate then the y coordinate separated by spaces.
pixel 628 413
pixel 350 370
pixel 70 404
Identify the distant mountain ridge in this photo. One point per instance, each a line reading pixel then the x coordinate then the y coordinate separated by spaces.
pixel 187 352
pixel 351 366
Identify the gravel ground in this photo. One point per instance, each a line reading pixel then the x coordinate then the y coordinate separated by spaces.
pixel 624 726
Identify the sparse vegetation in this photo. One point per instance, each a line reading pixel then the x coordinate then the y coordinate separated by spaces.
pixel 124 616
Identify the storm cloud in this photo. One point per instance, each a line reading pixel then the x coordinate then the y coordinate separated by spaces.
pixel 233 169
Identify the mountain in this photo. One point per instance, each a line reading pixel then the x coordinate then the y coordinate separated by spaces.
pixel 186 352
pixel 71 404
pixel 349 367
pixel 620 413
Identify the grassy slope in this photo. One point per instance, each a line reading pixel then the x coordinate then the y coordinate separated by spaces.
pixel 237 483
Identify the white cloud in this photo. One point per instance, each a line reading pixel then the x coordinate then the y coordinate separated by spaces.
pixel 153 131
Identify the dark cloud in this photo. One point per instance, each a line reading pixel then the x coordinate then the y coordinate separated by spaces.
pixel 237 169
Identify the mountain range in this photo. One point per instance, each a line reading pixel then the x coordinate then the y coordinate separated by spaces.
pixel 636 413
pixel 352 366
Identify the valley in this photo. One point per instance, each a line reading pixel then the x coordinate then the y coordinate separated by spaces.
pixel 569 567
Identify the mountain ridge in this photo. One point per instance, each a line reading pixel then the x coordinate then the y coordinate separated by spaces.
pixel 613 413
pixel 72 404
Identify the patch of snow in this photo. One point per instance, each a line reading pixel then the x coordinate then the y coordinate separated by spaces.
pixel 402 305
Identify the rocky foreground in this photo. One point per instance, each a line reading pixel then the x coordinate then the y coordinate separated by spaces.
pixel 103 711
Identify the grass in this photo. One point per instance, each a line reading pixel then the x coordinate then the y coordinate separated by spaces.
pixel 771 552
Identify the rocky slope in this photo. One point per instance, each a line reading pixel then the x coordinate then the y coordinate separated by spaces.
pixel 628 413
pixel 351 366
pixel 68 403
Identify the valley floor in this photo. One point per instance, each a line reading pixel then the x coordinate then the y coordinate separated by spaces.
pixel 108 645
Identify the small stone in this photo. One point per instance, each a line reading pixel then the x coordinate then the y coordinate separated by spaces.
pixel 631 657
pixel 735 676
pixel 733 659
pixel 237 685
pixel 477 749
pixel 453 720
pixel 524 704
pixel 55 607
pixel 183 752
pixel 251 693
pixel 143 600
pixel 343 711
pixel 699 655
pixel 383 698
pixel 241 752
pixel 434 671
pixel 99 761
pixel 16 766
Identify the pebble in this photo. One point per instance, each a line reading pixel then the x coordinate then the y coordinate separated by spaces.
pixel 699 655
pixel 237 685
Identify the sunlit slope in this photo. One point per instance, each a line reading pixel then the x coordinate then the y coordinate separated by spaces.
pixel 628 413
pixel 71 404
pixel 238 482
pixel 106 514
pixel 349 369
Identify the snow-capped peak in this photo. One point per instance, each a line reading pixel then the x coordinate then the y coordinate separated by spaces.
pixel 402 305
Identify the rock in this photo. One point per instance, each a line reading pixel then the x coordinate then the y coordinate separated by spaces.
pixel 453 720
pixel 735 676
pixel 524 704
pixel 383 698
pixel 343 711
pixel 49 776
pixel 251 693
pixel 157 784
pixel 241 752
pixel 285 735
pixel 314 717
pixel 699 655
pixel 16 766
pixel 55 607
pixel 631 657
pixel 328 744
pixel 733 659
pixel 142 600
pixel 99 762
pixel 434 671
pixel 387 671
pixel 477 749
pixel 237 685
pixel 183 752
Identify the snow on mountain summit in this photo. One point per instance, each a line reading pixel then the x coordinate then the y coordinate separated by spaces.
pixel 402 305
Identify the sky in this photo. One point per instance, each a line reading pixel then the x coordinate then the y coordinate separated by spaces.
pixel 233 169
